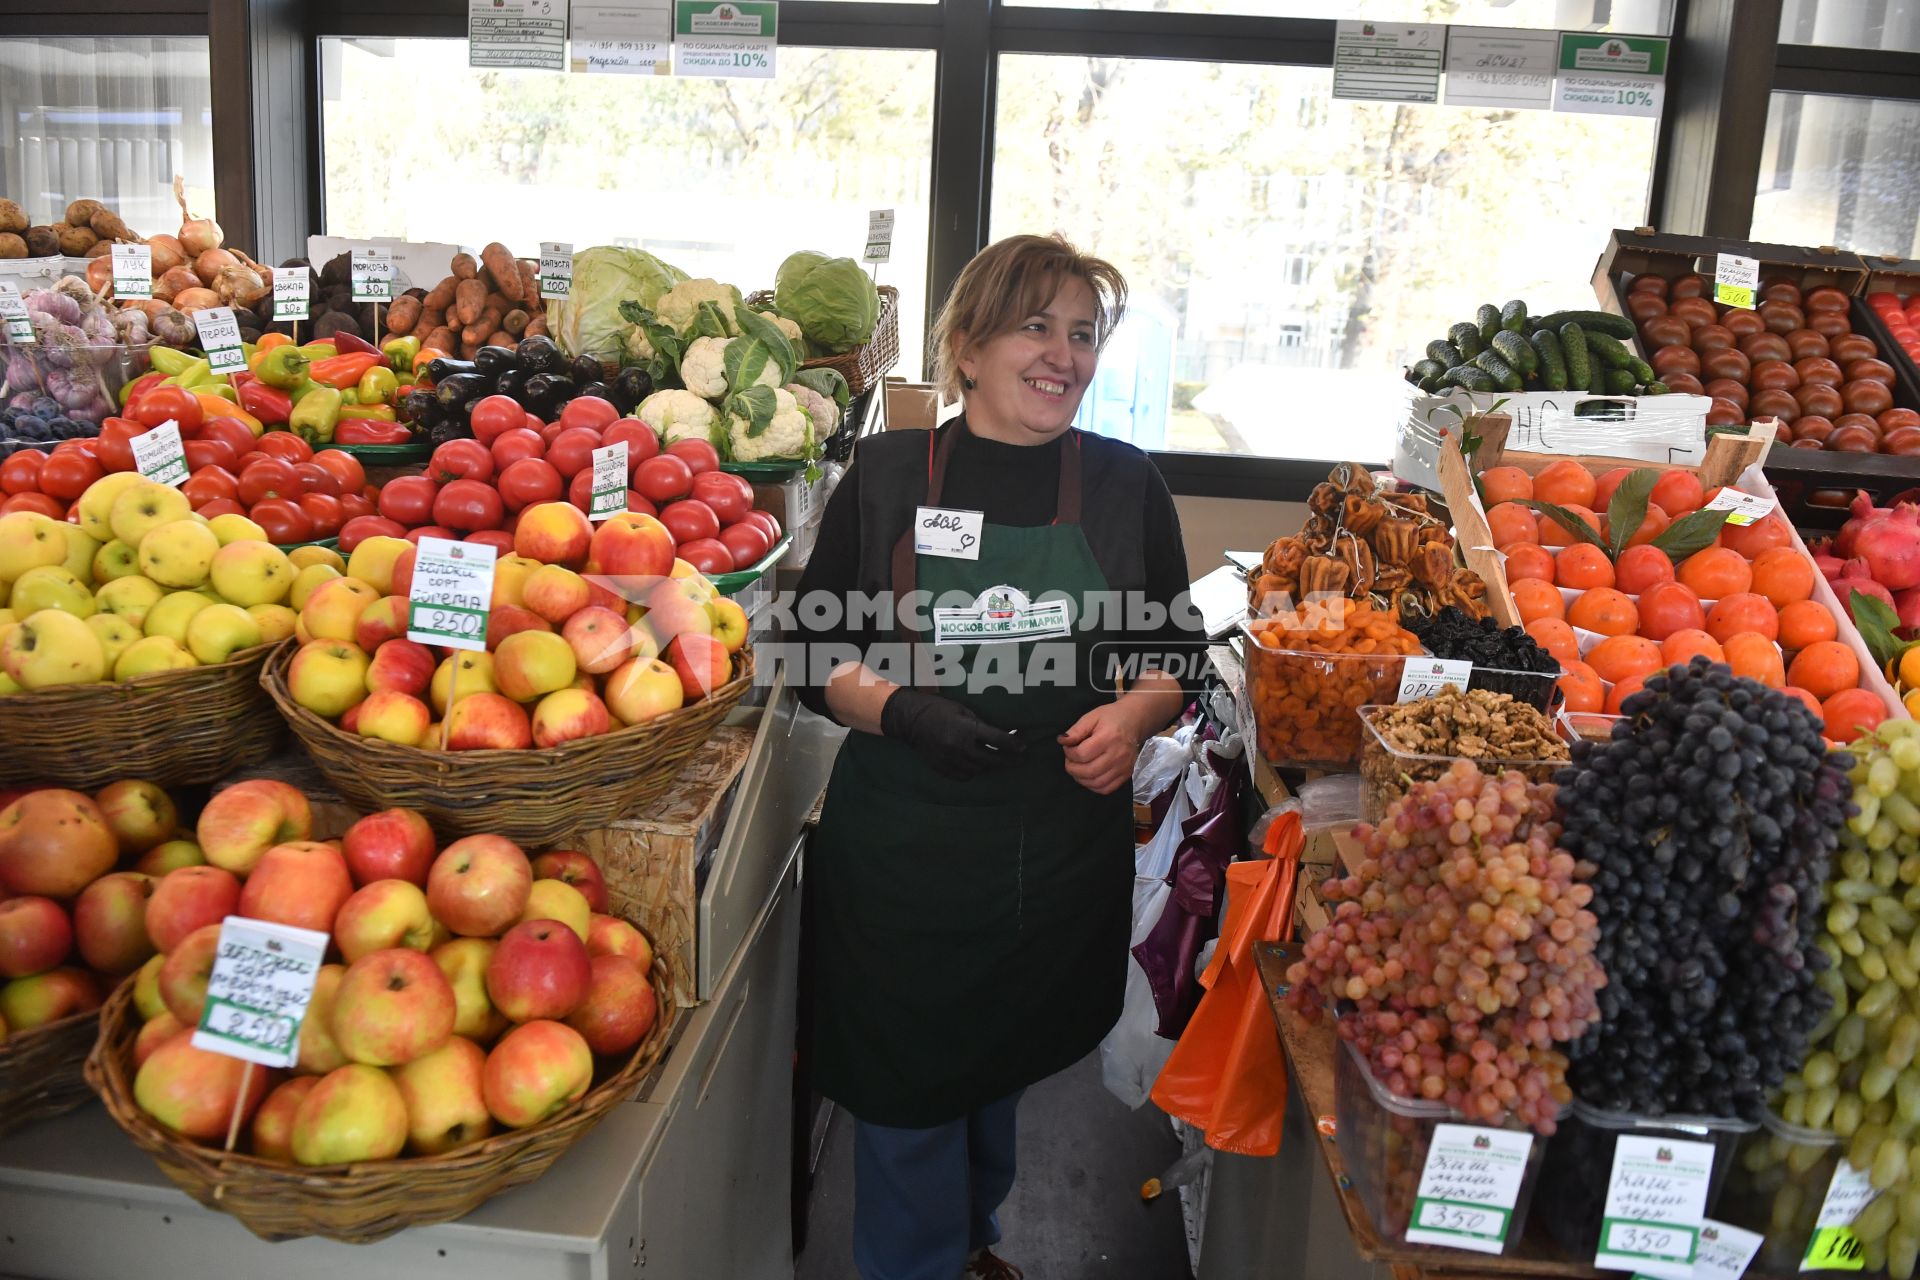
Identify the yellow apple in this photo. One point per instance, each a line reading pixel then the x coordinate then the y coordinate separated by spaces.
pixel 115 560
pixel 96 504
pixel 306 556
pixel 81 548
pixel 729 623
pixel 308 579
pixel 141 508
pixel 641 689
pixel 232 527
pixel 553 592
pixel 219 631
pixel 178 554
pixel 170 615
pixel 334 608
pixel 154 653
pixel 328 677
pixel 276 621
pixel 476 676
pixel 395 717
pixel 251 572
pixel 129 598
pixel 29 540
pixel 116 635
pixel 510 574
pixel 372 562
pixel 531 664
pixel 558 900
pixel 567 714
pixel 52 648
pixel 52 587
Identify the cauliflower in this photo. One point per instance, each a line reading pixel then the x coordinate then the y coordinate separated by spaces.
pixel 677 415
pixel 786 326
pixel 639 347
pixel 824 412
pixel 705 307
pixel 767 424
pixel 704 367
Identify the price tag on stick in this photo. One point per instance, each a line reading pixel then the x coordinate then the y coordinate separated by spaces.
pixel 1424 677
pixel 1736 280
pixel 220 339
pixel 1656 1204
pixel 292 293
pixel 1725 1251
pixel 1834 1247
pixel 257 996
pixel 556 269
pixel 609 481
pixel 452 592
pixel 13 315
pixel 132 272
pixel 1468 1188
pixel 372 274
pixel 879 236
pixel 158 455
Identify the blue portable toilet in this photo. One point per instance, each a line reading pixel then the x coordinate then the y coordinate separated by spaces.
pixel 1133 391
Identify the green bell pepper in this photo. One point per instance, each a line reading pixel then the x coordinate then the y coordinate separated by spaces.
pixel 168 360
pixel 315 415
pixel 401 351
pixel 284 367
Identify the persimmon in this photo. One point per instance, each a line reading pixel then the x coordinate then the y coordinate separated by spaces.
pixel 1807 700
pixel 1685 645
pixel 1529 560
pixel 1606 483
pixel 1557 638
pixel 1505 484
pixel 1536 599
pixel 1764 534
pixel 1606 611
pixel 1654 523
pixel 1852 712
pixel 1824 668
pixel 1716 572
pixel 1667 607
pixel 1618 695
pixel 1582 566
pixel 1678 492
pixel 1552 533
pixel 1742 611
pixel 1757 658
pixel 1565 484
pixel 1805 622
pixel 1581 687
pixel 1511 522
pixel 1641 567
pixel 1620 658
pixel 1783 575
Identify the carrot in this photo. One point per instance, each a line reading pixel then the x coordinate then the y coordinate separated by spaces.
pixel 440 297
pixel 464 267
pixel 445 339
pixel 404 314
pixel 504 269
pixel 530 287
pixel 477 331
pixel 470 301
pixel 536 328
pixel 515 321
pixel 499 338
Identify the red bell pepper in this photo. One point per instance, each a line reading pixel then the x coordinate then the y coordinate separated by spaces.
pixel 370 431
pixel 269 404
pixel 350 345
pixel 343 371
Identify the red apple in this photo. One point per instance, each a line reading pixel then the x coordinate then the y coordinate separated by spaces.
pixel 478 886
pixel 35 936
pixel 392 1006
pixel 54 844
pixel 194 1092
pixel 578 870
pixel 300 883
pixel 446 1105
pixel 140 814
pixel 110 923
pixel 152 1035
pixel 187 899
pixel 612 936
pixel 619 1009
pixel 273 1122
pixel 26 1003
pixel 382 915
pixel 536 1071
pixel 403 666
pixel 702 663
pixel 540 970
pixel 394 844
pixel 184 975
pixel 248 818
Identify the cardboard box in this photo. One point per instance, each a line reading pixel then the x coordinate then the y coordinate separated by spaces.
pixel 912 406
pixel 1631 253
pixel 794 502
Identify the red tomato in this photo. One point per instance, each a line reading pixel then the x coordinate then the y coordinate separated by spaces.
pixel 468 505
pixel 494 416
pixel 637 503
pixel 355 504
pixel 166 404
pixel 209 483
pixel 511 446
pixel 408 500
pixel 730 496
pixel 220 507
pixel 529 481
pixel 113 446
pixel 708 555
pixel 233 431
pixel 499 539
pixel 324 510
pixel 431 531
pixel 765 520
pixel 690 520
pixel 268 477
pixel 461 460
pixel 588 411
pixel 641 442
pixel 534 424
pixel 748 542
pixel 664 478
pixel 209 453
pixel 50 507
pixel 359 528
pixel 697 454
pixel 315 478
pixel 345 467
pixel 66 475
pixel 571 452
pixel 283 520
pixel 284 444
pixel 580 490
pixel 21 472
pixel 82 447
pixel 551 432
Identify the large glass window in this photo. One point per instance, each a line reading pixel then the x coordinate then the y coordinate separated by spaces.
pixel 109 118
pixel 1647 17
pixel 1289 253
pixel 722 178
pixel 1840 171
pixel 1852 24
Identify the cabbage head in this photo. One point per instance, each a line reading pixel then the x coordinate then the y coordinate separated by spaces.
pixel 589 323
pixel 831 299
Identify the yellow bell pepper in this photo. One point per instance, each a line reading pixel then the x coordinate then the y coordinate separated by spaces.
pixel 382 412
pixel 315 414
pixel 212 406
pixel 319 351
pixel 268 341
pixel 377 385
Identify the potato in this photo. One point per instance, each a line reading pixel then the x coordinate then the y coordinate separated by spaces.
pixel 12 246
pixel 13 217
pixel 75 241
pixel 43 242
pixel 101 249
pixel 107 225
pixel 403 314
pixel 80 212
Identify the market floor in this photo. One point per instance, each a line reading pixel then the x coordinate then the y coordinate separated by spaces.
pixel 1075 1212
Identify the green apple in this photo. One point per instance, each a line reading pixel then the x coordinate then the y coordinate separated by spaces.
pixel 52 587
pixel 170 615
pixel 234 527
pixel 250 573
pixel 116 635
pixel 141 508
pixel 81 548
pixel 52 648
pixel 130 598
pixel 96 504
pixel 115 560
pixel 154 653
pixel 179 554
pixel 219 631
pixel 146 990
pixel 29 540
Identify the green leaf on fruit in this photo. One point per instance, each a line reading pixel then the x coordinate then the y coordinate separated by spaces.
pixel 1876 622
pixel 1627 509
pixel 1695 531
pixel 1573 524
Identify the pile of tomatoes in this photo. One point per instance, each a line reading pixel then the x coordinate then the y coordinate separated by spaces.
pixel 1902 318
pixel 476 488
pixel 1746 600
pixel 276 480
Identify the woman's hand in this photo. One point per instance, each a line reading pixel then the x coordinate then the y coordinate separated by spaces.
pixel 1100 748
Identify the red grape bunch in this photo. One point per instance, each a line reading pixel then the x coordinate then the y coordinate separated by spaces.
pixel 1462 953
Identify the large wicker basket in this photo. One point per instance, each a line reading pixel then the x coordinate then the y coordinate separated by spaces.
pixel 536 796
pixel 358 1203
pixel 867 363
pixel 41 1070
pixel 175 728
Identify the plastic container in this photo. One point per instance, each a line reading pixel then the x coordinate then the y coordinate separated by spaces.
pixel 1387 772
pixel 67 374
pixel 1306 705
pixel 1574 1178
pixel 1776 1185
pixel 1383 1141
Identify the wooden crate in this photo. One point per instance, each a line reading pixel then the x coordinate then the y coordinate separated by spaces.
pixel 654 865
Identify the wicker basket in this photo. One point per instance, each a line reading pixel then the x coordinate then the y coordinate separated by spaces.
pixel 41 1070
pixel 359 1203
pixel 534 796
pixel 175 728
pixel 867 363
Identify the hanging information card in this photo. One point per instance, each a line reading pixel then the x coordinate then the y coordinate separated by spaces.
pixel 1498 67
pixel 132 271
pixel 517 33
pixel 1736 280
pixel 1611 75
pixel 257 995
pixel 1656 1203
pixel 879 235
pixel 725 39
pixel 622 37
pixel 1388 62
pixel 452 588
pixel 292 293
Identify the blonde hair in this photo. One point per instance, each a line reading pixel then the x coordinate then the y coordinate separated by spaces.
pixel 1010 280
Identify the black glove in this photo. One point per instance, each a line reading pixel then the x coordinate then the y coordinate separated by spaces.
pixel 948 736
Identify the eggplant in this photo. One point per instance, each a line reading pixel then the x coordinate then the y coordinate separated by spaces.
pixel 586 369
pixel 466 411
pixel 540 355
pixel 421 408
pixel 544 393
pixel 600 389
pixel 494 361
pixel 446 431
pixel 460 388
pixel 441 367
pixel 510 382
pixel 630 386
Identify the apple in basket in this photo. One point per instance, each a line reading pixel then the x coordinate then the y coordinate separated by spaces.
pixel 35 936
pixel 301 883
pixel 187 898
pixel 578 870
pixel 619 1009
pixel 110 923
pixel 354 1114
pixel 394 844
pixel 392 1007
pixel 465 961
pixel 540 970
pixel 54 843
pixel 194 1092
pixel 537 1070
pixel 140 814
pixel 26 1003
pixel 445 1097
pixel 245 820
pixel 612 936
pixel 478 886
pixel 273 1122
pixel 383 915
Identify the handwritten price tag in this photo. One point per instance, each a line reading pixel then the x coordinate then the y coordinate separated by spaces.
pixel 1741 508
pixel 1736 280
pixel 220 339
pixel 257 995
pixel 158 456
pixel 556 269
pixel 1725 1251
pixel 879 235
pixel 292 293
pixel 372 275
pixel 452 592
pixel 132 271
pixel 13 314
pixel 1656 1203
pixel 1424 677
pixel 1834 1247
pixel 1468 1188
pixel 609 481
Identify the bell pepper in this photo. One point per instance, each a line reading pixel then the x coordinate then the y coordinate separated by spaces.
pixel 377 385
pixel 169 361
pixel 401 351
pixel 284 367
pixel 343 370
pixel 377 412
pixel 319 350
pixel 196 375
pixel 370 431
pixel 426 356
pixel 139 385
pixel 268 405
pixel 315 415
pixel 268 341
pixel 212 407
pixel 351 344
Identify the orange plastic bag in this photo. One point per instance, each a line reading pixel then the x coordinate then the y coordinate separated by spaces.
pixel 1227 1075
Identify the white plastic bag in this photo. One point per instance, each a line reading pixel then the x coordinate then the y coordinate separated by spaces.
pixel 1161 760
pixel 1132 1054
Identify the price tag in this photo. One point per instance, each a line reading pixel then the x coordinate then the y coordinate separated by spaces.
pixel 452 592
pixel 1834 1247
pixel 556 269
pixel 1741 508
pixel 1656 1204
pixel 948 532
pixel 13 313
pixel 1424 677
pixel 292 293
pixel 1468 1187
pixel 157 454
pixel 372 272
pixel 1736 280
pixel 132 271
pixel 609 481
pixel 220 339
pixel 879 236
pixel 257 995
pixel 1725 1251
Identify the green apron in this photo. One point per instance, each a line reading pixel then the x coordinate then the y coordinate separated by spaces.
pixel 970 938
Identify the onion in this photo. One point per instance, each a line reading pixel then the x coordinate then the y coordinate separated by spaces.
pixel 196 300
pixel 99 274
pixel 173 281
pixel 1890 546
pixel 167 253
pixel 238 285
pixel 208 262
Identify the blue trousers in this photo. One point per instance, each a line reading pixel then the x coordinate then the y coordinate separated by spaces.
pixel 925 1199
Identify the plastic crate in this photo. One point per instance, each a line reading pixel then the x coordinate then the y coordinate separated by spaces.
pixel 1387 772
pixel 1778 1180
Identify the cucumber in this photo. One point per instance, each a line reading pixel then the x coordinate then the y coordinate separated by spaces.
pixel 1499 370
pixel 1593 322
pixel 1466 337
pixel 1513 317
pixel 1620 382
pixel 1642 371
pixel 1434 384
pixel 1573 343
pixel 1423 369
pixel 1596 374
pixel 1516 351
pixel 1471 378
pixel 1553 365
pixel 1445 352
pixel 1488 318
pixel 1611 351
pixel 1656 388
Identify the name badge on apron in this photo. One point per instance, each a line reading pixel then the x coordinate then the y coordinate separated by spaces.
pixel 947 531
pixel 1002 615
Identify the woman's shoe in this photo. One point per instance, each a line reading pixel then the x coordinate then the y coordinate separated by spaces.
pixel 983 1265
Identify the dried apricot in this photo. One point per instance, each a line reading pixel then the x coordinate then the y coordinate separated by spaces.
pixel 1716 572
pixel 1511 522
pixel 1852 712
pixel 1683 646
pixel 1667 607
pixel 1565 483
pixel 1641 567
pixel 1824 668
pixel 1783 575
pixel 1557 638
pixel 1529 560
pixel 1742 611
pixel 1581 687
pixel 1505 484
pixel 1606 611
pixel 1678 492
pixel 1804 622
pixel 1620 658
pixel 1582 566
pixel 1755 657
pixel 1536 599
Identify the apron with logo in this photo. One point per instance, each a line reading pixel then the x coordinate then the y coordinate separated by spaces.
pixel 971 937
